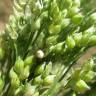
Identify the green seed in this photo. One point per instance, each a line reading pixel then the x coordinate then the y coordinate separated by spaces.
pixel 67 3
pixel 44 14
pixel 89 65
pixel 56 15
pixel 85 39
pixel 17 6
pixel 54 29
pixel 73 11
pixel 29 60
pixel 37 24
pixel 77 19
pixel 19 65
pixel 12 34
pixel 76 3
pixel 89 76
pixel 13 74
pixel 90 30
pixel 52 40
pixel 77 38
pixel 65 22
pixel 92 40
pixel 22 2
pixel 49 80
pixel 47 70
pixel 15 82
pixel 40 40
pixel 70 42
pixel 25 73
pixel 40 68
pixel 58 47
pixel 38 80
pixel 29 90
pixel 55 12
pixel 76 74
pixel 81 86
pixel 92 18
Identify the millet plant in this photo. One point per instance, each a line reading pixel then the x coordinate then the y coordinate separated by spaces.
pixel 40 46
